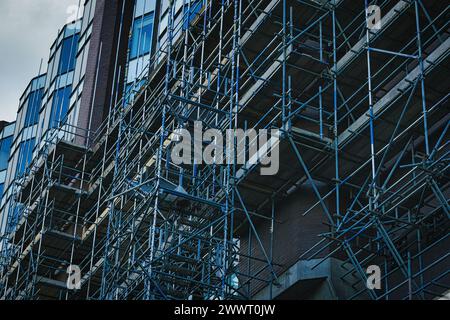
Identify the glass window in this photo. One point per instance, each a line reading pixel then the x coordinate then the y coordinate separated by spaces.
pixel 2 185
pixel 141 38
pixel 34 104
pixel 131 89
pixel 144 6
pixel 5 147
pixel 68 54
pixel 9 130
pixel 25 156
pixel 60 106
pixel 87 15
pixel 191 13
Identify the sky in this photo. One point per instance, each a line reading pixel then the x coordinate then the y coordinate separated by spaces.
pixel 27 30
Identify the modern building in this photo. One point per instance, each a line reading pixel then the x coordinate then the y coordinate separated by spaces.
pixel 141 44
pixel 24 140
pixel 59 105
pixel 43 108
pixel 359 118
pixel 55 108
pixel 6 139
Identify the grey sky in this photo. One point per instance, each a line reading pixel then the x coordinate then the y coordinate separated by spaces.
pixel 27 30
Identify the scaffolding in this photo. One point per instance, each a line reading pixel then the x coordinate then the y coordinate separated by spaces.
pixel 363 116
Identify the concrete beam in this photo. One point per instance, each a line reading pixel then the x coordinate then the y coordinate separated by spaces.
pixel 445 296
pixel 310 134
pixel 384 103
pixel 386 21
pixel 337 282
pixel 52 283
pixel 301 271
pixel 262 17
pixel 246 98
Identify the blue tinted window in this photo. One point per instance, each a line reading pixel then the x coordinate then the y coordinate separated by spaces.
pixel 17 213
pixel 128 90
pixel 25 156
pixel 2 186
pixel 60 106
pixel 132 88
pixel 141 38
pixel 191 13
pixel 34 104
pixel 5 147
pixel 68 54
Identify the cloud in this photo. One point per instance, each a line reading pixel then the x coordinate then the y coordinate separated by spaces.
pixel 28 28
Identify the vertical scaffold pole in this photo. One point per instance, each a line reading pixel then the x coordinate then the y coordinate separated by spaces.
pixel 372 190
pixel 336 109
pixel 422 78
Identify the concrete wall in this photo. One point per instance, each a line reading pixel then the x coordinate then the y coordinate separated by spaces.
pixel 294 234
pixel 106 30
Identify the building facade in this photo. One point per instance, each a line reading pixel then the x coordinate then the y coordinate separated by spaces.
pixel 6 140
pixel 24 141
pixel 361 122
pixel 44 108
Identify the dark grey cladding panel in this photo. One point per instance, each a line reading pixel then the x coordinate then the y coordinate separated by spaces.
pixel 294 234
pixel 109 40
